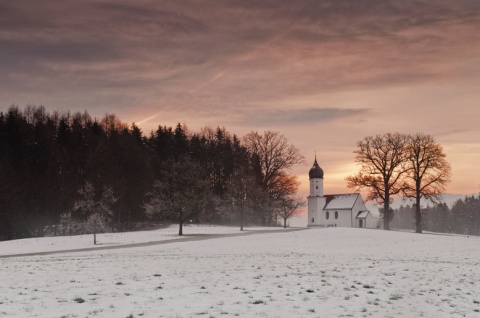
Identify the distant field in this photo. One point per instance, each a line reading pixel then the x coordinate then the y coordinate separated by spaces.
pixel 333 272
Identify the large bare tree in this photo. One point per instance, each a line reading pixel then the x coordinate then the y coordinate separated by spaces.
pixel 272 157
pixel 429 172
pixel 382 161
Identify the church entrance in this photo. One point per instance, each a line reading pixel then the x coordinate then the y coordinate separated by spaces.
pixel 360 223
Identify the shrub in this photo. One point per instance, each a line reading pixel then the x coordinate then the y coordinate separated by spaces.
pixel 79 300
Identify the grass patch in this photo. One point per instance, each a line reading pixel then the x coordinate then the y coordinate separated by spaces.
pixel 202 313
pixel 395 296
pixel 258 302
pixel 79 300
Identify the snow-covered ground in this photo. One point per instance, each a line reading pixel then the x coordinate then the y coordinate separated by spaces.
pixel 332 272
pixel 76 242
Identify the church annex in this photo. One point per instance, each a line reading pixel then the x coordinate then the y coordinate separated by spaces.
pixel 343 210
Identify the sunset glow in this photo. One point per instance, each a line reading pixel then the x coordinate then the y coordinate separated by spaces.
pixel 324 73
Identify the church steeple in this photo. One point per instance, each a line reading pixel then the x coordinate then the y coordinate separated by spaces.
pixel 316 171
pixel 316 179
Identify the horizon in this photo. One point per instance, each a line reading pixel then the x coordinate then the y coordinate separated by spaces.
pixel 323 74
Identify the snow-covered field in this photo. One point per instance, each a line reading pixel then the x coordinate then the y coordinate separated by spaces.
pixel 76 242
pixel 333 272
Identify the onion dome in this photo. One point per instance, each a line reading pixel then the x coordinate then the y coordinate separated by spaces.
pixel 316 172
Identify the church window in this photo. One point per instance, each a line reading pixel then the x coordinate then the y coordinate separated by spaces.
pixel 316 187
pixel 336 215
pixel 327 215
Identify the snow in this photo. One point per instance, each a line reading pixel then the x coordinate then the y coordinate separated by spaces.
pixel 362 215
pixel 76 242
pixel 317 272
pixel 342 201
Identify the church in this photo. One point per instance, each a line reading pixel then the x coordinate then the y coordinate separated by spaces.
pixel 343 210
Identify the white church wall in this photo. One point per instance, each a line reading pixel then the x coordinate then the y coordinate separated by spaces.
pixel 371 221
pixel 342 220
pixel 312 211
pixel 315 205
pixel 316 187
pixel 358 206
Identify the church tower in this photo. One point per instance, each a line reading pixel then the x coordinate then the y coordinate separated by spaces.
pixel 316 199
pixel 316 180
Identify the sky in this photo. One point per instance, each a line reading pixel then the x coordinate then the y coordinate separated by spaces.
pixel 326 74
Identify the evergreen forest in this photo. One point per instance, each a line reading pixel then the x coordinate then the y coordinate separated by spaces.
pixel 463 217
pixel 64 173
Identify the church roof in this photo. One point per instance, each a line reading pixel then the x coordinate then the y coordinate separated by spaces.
pixel 362 214
pixel 341 201
pixel 316 171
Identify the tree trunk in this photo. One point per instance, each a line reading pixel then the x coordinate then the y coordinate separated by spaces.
pixel 386 224
pixel 386 214
pixel 128 220
pixel 284 223
pixel 242 218
pixel 418 215
pixel 94 239
pixel 180 228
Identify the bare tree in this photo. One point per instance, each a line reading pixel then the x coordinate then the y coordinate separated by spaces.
pixel 289 207
pixel 382 161
pixel 429 172
pixel 97 211
pixel 271 158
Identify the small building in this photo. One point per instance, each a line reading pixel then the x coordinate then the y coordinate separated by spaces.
pixel 343 210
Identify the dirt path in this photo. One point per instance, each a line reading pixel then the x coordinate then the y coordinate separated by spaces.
pixel 187 238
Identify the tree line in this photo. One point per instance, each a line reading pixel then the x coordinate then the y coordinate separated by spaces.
pixel 71 173
pixel 462 218
pixel 411 165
